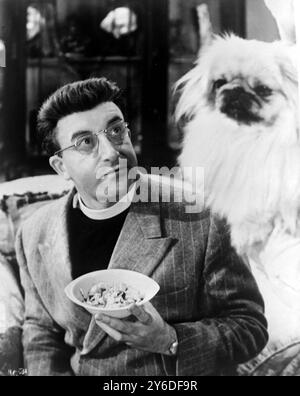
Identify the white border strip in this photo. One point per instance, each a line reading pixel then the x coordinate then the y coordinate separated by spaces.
pixel 297 25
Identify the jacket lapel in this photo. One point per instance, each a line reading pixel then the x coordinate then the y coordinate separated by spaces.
pixel 140 247
pixel 55 254
pixel 55 247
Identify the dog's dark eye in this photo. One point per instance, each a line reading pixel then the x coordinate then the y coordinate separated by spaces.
pixel 219 83
pixel 263 90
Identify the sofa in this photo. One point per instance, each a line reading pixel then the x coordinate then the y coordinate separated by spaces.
pixel 18 200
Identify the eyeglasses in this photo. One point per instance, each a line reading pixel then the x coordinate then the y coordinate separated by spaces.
pixel 88 142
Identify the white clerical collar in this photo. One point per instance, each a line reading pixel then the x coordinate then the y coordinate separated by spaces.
pixel 112 211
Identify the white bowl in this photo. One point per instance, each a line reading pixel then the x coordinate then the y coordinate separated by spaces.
pixel 147 287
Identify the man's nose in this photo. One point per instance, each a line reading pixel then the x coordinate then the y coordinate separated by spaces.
pixel 106 149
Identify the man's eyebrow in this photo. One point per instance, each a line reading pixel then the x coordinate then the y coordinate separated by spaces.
pixel 80 133
pixel 84 132
pixel 113 120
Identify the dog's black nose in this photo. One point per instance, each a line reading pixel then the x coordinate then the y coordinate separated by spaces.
pixel 238 104
pixel 239 98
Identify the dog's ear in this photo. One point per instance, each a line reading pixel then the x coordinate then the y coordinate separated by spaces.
pixel 288 66
pixel 192 88
pixel 289 70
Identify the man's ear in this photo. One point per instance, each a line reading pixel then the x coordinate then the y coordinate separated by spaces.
pixel 58 165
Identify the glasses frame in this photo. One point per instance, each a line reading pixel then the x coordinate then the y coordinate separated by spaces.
pixel 104 131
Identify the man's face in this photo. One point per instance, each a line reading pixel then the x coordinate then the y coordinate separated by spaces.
pixel 92 173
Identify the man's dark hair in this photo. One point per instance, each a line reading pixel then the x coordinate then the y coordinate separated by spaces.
pixel 73 98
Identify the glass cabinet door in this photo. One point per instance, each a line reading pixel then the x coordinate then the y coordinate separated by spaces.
pixel 69 40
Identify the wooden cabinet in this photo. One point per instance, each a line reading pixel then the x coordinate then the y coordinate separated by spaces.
pixel 12 106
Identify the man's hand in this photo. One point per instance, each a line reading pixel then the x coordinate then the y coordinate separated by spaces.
pixel 149 332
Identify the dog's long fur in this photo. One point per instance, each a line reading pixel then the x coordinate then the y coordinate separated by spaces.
pixel 252 171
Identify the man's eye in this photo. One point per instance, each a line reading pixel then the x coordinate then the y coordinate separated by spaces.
pixel 116 131
pixel 85 141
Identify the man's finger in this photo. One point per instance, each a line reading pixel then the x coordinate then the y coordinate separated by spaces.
pixel 142 316
pixel 117 324
pixel 116 335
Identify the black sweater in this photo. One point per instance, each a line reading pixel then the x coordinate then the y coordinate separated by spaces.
pixel 92 241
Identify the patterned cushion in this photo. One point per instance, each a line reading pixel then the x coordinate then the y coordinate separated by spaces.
pixel 11 358
pixel 6 235
pixel 18 200
pixel 283 361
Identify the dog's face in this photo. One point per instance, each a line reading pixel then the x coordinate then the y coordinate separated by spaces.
pixel 250 93
pixel 250 82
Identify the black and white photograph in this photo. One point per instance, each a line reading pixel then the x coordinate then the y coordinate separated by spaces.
pixel 149 190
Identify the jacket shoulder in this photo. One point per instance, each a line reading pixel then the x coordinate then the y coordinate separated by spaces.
pixel 45 215
pixel 177 196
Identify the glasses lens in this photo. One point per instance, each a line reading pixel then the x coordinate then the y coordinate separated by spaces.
pixel 117 132
pixel 86 144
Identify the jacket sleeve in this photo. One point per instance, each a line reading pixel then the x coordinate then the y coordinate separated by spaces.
pixel 45 353
pixel 233 329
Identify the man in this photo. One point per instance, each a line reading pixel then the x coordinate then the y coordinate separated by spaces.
pixel 208 315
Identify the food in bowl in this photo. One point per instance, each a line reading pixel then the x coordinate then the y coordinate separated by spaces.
pixel 109 296
pixel 78 290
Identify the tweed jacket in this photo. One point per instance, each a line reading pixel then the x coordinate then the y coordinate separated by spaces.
pixel 206 292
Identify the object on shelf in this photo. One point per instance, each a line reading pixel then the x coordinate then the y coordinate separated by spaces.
pixel 120 22
pixel 41 30
pixel 205 25
pixel 75 40
pixel 35 21
pixel 117 36
pixel 2 54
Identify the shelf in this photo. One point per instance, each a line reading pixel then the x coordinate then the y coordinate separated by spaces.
pixel 54 62
pixel 183 60
pixel 48 62
pixel 102 59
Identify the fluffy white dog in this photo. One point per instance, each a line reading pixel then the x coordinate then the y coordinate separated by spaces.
pixel 239 105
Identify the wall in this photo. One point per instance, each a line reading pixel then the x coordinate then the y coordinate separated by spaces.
pixel 260 24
